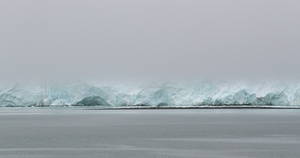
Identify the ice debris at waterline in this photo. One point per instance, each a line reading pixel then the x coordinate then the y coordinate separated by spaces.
pixel 163 94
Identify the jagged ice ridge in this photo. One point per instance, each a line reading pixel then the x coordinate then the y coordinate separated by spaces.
pixel 155 94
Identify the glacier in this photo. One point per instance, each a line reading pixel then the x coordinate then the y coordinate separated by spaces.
pixel 273 93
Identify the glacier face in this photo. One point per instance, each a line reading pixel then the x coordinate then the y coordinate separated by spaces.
pixel 154 94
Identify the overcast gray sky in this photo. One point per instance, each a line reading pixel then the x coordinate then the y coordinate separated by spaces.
pixel 121 38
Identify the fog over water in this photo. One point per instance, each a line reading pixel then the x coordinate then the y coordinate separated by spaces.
pixel 149 39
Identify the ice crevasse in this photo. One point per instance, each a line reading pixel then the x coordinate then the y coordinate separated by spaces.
pixel 154 94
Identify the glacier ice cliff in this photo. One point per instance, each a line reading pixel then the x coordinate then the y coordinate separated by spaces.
pixel 155 94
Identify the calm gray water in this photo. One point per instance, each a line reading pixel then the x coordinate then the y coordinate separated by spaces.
pixel 211 133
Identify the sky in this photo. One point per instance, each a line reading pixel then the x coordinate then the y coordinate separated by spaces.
pixel 155 38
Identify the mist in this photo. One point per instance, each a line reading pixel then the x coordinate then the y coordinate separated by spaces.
pixel 149 39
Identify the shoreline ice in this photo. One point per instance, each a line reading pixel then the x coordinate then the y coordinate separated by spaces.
pixel 167 94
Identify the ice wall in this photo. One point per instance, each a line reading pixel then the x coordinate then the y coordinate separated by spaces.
pixel 155 94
